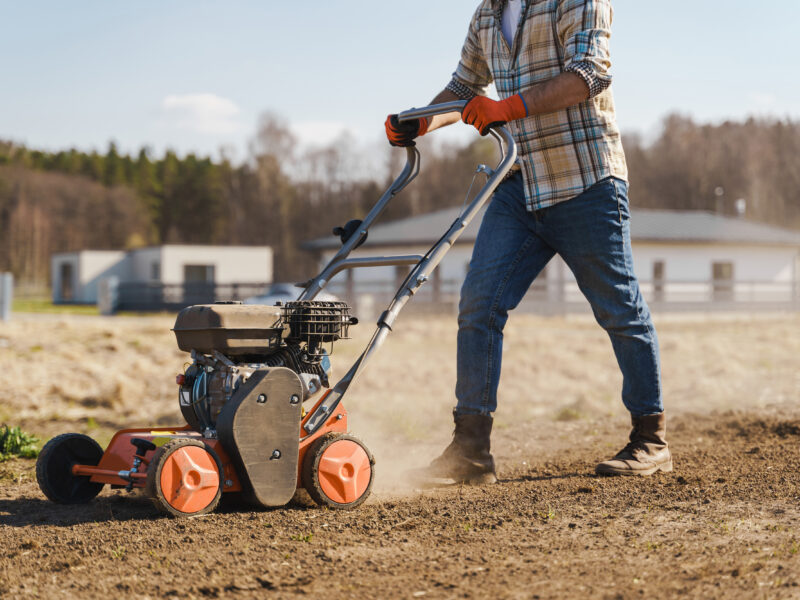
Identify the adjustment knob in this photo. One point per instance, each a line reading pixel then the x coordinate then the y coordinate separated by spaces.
pixel 349 229
pixel 143 446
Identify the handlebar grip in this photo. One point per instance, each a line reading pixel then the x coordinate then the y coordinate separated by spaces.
pixel 432 110
pixel 492 125
pixel 441 109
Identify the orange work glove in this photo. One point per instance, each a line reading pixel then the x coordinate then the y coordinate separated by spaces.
pixel 485 113
pixel 403 134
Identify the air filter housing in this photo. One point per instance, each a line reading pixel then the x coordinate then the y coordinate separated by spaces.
pixel 315 322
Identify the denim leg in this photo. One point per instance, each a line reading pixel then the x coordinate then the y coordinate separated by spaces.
pixel 507 257
pixel 592 234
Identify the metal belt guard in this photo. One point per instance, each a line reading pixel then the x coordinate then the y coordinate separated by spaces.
pixel 265 408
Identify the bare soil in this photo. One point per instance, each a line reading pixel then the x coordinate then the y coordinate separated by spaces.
pixel 724 524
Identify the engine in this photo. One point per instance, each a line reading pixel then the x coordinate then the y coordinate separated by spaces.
pixel 230 341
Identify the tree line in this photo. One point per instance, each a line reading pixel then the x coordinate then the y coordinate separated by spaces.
pixel 72 200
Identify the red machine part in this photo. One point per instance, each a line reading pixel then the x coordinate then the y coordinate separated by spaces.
pixel 336 422
pixel 189 472
pixel 119 456
pixel 190 476
pixel 184 478
pixel 338 471
pixel 345 471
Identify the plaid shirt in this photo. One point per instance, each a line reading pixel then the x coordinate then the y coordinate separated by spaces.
pixel 562 153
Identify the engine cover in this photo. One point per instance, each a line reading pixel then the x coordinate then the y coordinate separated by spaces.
pixel 233 329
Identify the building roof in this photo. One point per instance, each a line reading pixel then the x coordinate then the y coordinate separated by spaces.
pixel 667 226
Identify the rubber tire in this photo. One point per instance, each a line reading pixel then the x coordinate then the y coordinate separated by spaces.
pixel 310 473
pixel 153 482
pixel 54 468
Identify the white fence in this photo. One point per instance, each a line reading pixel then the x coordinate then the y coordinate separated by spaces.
pixel 559 298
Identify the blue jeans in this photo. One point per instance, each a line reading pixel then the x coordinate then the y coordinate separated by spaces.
pixel 591 233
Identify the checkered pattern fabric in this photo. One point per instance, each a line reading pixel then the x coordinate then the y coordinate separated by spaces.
pixel 564 152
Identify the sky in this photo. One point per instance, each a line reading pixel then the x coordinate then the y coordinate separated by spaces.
pixel 195 75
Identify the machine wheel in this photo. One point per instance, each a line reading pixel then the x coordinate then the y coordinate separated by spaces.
pixel 54 468
pixel 184 478
pixel 338 470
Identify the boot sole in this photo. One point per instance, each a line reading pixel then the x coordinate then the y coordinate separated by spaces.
pixel 664 467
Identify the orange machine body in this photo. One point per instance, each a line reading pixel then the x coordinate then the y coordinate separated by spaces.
pixel 120 453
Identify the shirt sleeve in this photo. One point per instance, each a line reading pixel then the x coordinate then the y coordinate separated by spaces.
pixel 584 30
pixel 472 76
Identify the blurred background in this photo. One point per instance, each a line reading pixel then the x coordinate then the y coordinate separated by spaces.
pixel 157 155
pixel 129 130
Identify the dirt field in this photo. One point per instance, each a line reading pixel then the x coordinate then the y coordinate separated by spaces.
pixel 725 524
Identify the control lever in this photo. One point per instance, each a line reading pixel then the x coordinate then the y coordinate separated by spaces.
pixel 142 448
pixel 346 232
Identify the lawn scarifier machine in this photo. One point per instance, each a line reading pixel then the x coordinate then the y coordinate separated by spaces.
pixel 252 370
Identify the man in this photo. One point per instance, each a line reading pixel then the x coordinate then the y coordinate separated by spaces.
pixel 549 60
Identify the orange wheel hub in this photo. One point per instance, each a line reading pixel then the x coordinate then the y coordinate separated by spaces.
pixel 190 479
pixel 344 471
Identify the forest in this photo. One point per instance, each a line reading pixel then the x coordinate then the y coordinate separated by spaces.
pixel 72 200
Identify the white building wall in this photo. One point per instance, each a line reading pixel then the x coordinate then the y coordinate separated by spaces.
pixel 232 264
pixel 142 261
pixel 688 271
pixel 693 262
pixel 88 268
pixel 96 265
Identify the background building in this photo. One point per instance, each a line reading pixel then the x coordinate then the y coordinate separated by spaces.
pixel 167 275
pixel 684 260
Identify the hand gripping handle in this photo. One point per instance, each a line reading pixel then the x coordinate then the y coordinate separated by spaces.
pixel 432 110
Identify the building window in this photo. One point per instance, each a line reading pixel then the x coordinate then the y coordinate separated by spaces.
pixel 659 275
pixel 722 280
pixel 155 271
pixel 198 273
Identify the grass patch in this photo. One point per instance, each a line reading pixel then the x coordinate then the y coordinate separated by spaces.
pixel 568 414
pixel 45 305
pixel 548 515
pixel 17 443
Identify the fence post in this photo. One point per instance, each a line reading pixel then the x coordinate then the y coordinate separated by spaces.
pixel 6 295
pixel 108 295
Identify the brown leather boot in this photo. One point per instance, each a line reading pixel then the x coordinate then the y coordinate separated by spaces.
pixel 467 459
pixel 646 453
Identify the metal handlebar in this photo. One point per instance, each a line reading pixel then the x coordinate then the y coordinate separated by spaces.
pixel 423 265
pixel 432 110
pixel 508 154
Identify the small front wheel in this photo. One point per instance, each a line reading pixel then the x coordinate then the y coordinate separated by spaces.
pixel 338 470
pixel 184 478
pixel 54 468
